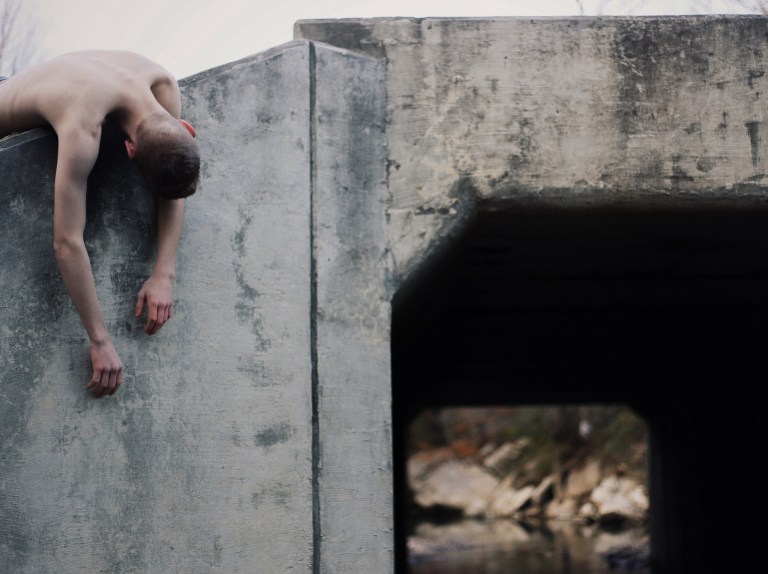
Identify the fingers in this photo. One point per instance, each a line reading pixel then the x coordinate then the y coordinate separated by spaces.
pixel 105 382
pixel 107 369
pixel 103 387
pixel 139 304
pixel 157 296
pixel 94 382
pixel 157 316
pixel 151 318
pixel 115 380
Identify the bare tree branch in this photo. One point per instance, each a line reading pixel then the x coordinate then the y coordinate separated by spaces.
pixel 756 6
pixel 630 7
pixel 17 37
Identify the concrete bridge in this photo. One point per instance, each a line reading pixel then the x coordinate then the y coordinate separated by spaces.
pixel 398 213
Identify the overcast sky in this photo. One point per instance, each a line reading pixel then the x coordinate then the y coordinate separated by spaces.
pixel 188 36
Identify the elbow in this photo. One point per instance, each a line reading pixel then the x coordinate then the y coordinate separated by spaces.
pixel 66 246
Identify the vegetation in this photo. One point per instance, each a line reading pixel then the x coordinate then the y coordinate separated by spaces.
pixel 550 439
pixel 17 37
pixel 629 7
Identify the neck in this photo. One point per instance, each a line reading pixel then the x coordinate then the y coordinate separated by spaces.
pixel 133 117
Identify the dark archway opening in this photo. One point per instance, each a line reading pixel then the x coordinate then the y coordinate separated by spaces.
pixel 665 312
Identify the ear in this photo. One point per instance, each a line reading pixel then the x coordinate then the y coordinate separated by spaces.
pixel 130 147
pixel 188 127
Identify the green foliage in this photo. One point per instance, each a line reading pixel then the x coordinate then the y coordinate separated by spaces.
pixel 555 437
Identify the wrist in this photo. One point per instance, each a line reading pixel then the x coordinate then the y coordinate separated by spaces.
pixel 99 339
pixel 164 273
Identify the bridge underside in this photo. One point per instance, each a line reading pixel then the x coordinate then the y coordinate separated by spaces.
pixel 664 312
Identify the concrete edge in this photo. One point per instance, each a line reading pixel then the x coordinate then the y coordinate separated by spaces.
pixel 246 61
pixel 22 138
pixel 565 17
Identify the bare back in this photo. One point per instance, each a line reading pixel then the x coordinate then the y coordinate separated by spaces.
pixel 83 88
pixel 75 93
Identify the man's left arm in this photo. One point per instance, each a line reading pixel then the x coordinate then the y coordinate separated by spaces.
pixel 157 292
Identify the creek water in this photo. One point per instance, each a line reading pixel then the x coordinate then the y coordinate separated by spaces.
pixel 507 547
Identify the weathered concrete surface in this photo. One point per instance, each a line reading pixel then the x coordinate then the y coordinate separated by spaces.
pixel 353 323
pixel 525 137
pixel 253 433
pixel 622 113
pixel 203 461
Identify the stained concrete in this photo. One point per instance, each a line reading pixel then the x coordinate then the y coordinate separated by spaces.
pixel 201 463
pixel 577 212
pixel 207 459
pixel 255 432
pixel 354 441
pixel 540 113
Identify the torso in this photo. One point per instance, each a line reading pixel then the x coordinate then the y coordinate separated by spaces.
pixel 82 87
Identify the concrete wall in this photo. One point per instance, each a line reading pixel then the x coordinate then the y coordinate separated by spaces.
pixel 353 394
pixel 530 162
pixel 212 457
pixel 253 434
pixel 537 113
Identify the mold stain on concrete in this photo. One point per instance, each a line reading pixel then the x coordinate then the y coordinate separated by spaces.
pixel 679 175
pixel 724 124
pixel 705 164
pixel 753 129
pixel 235 434
pixel 247 304
pixel 217 551
pixel 277 495
pixel 273 435
pixel 521 140
pixel 752 75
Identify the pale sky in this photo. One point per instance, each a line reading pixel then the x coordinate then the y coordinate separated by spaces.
pixel 188 36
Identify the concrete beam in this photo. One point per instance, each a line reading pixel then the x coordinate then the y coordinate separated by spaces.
pixel 562 113
pixel 353 392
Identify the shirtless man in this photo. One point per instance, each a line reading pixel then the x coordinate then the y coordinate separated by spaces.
pixel 75 93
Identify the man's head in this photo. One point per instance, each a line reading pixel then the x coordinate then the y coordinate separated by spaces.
pixel 167 155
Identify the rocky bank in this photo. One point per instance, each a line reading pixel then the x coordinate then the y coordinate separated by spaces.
pixel 489 484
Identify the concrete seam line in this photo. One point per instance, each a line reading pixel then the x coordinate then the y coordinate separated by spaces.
pixel 316 523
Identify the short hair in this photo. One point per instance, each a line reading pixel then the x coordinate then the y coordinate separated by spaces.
pixel 167 156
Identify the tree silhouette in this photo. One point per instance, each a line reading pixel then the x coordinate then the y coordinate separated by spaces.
pixel 629 7
pixel 17 37
pixel 756 6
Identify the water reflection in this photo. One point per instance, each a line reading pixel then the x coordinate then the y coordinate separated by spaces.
pixel 506 547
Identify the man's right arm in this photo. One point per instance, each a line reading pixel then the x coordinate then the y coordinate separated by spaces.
pixel 78 149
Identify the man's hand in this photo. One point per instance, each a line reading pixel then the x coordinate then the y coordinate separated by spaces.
pixel 157 293
pixel 107 369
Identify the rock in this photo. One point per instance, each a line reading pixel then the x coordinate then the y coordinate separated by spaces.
pixel 421 463
pixel 486 450
pixel 510 501
pixel 501 459
pixel 561 510
pixel 582 480
pixel 620 499
pixel 543 493
pixel 588 512
pixel 455 484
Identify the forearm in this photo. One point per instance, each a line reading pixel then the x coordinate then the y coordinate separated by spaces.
pixel 78 149
pixel 170 222
pixel 76 271
pixel 157 292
